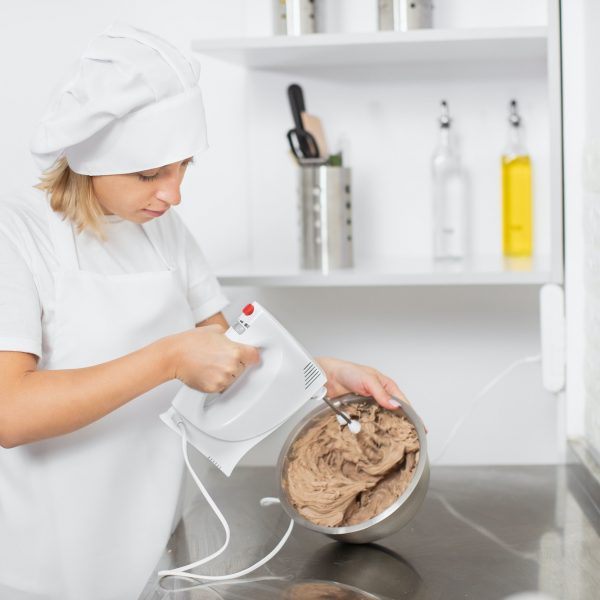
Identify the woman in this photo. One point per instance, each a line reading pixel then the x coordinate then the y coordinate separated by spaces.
pixel 107 306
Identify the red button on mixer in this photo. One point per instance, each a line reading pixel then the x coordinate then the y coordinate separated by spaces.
pixel 248 309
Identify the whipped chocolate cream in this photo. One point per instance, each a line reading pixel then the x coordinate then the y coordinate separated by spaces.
pixel 335 478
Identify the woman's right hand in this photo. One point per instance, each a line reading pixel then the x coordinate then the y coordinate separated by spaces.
pixel 206 360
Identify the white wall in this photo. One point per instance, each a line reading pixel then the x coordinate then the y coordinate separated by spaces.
pixel 441 344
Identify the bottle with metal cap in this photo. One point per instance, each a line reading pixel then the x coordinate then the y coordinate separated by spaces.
pixel 450 202
pixel 517 238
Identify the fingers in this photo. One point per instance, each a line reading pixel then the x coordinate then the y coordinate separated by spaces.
pixel 376 389
pixel 245 356
pixel 384 390
pixel 249 355
pixel 390 386
pixel 238 370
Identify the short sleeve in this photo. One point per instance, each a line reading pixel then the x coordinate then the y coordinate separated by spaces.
pixel 204 292
pixel 20 309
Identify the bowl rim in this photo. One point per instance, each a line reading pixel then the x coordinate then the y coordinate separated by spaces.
pixel 407 410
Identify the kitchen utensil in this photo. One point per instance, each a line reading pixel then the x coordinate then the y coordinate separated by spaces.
pixel 313 125
pixel 393 518
pixel 296 98
pixel 342 417
pixel 306 143
pixel 223 427
pixel 303 144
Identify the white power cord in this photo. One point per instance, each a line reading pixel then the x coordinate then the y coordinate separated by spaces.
pixel 182 571
pixel 484 390
pixel 483 531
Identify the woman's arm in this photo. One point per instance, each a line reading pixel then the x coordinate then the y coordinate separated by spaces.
pixel 35 405
pixel 218 319
pixel 39 404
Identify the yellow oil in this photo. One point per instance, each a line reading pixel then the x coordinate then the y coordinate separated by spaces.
pixel 517 206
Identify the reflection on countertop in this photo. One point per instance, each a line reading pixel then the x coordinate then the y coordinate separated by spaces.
pixel 483 533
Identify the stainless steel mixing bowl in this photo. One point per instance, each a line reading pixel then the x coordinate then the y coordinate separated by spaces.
pixel 393 518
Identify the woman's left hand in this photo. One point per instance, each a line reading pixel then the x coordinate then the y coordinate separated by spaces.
pixel 344 377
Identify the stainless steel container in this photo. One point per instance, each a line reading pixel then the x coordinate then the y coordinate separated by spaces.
pixel 325 205
pixel 392 518
pixel 403 15
pixel 279 17
pixel 294 17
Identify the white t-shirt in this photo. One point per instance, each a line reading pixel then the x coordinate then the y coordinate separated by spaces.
pixel 28 259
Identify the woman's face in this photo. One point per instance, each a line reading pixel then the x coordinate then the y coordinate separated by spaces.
pixel 140 197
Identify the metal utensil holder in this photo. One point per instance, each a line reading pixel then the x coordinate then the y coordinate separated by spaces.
pixel 325 195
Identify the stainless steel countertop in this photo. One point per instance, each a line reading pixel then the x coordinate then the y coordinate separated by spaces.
pixel 483 533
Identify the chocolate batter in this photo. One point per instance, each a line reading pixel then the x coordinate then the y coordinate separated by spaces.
pixel 336 478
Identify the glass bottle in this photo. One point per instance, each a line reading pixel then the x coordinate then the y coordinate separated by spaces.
pixel 517 225
pixel 450 209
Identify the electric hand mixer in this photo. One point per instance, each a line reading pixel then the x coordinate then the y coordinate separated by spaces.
pixel 225 426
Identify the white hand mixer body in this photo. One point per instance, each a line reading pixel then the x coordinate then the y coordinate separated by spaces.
pixel 225 426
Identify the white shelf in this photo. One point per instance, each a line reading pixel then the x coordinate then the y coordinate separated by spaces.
pixel 326 50
pixel 364 57
pixel 400 272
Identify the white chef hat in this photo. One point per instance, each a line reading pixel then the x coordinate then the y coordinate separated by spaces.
pixel 134 104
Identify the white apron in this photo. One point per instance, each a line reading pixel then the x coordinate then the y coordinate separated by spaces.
pixel 85 516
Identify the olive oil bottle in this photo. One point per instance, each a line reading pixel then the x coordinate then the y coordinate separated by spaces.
pixel 517 209
pixel 450 202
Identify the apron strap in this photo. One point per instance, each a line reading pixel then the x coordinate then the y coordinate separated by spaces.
pixel 156 239
pixel 63 240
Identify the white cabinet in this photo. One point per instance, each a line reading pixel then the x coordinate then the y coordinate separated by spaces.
pixel 380 92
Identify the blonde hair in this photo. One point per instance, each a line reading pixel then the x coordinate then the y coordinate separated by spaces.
pixel 72 195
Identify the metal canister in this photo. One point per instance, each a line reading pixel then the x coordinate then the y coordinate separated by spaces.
pixel 279 17
pixel 325 195
pixel 294 17
pixel 403 15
